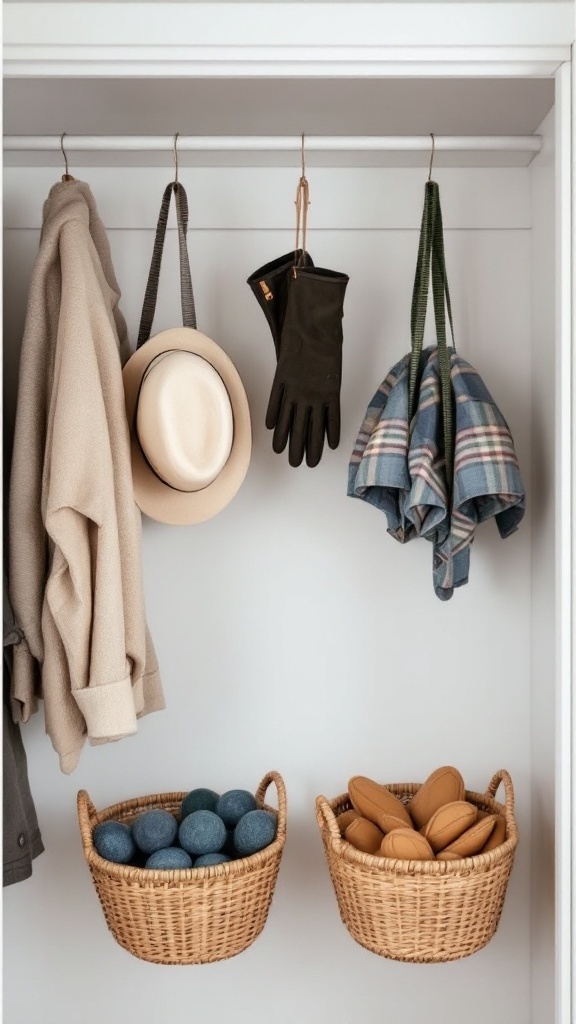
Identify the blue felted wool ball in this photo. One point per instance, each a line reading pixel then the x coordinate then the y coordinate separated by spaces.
pixel 254 831
pixel 114 841
pixel 154 830
pixel 233 805
pixel 202 832
pixel 211 858
pixel 199 800
pixel 168 859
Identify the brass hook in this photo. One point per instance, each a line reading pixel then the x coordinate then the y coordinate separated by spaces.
pixel 65 176
pixel 176 157
pixel 431 155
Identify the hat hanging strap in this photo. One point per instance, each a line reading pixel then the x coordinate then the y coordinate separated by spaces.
pixel 187 295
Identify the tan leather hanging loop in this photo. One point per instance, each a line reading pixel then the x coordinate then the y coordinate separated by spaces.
pixel 302 203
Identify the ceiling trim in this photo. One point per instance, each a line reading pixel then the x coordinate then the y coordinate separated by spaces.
pixel 285 40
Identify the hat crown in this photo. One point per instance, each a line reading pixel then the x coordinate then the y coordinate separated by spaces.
pixel 184 420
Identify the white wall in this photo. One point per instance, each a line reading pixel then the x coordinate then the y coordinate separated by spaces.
pixel 292 631
pixel 544 554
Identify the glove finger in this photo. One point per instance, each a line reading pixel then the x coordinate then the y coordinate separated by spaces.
pixel 283 427
pixel 274 404
pixel 332 419
pixel 298 433
pixel 315 442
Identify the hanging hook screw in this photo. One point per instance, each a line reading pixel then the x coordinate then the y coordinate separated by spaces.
pixel 66 176
pixel 431 155
pixel 303 183
pixel 176 158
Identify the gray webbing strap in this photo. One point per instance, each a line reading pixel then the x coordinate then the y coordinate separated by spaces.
pixel 187 296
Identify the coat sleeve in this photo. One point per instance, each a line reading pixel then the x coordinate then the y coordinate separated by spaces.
pixel 84 592
pixel 27 560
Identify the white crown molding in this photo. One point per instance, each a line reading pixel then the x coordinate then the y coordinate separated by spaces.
pixel 287 40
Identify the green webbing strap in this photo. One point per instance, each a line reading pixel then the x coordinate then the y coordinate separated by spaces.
pixel 442 284
pixel 441 301
pixel 420 297
pixel 431 257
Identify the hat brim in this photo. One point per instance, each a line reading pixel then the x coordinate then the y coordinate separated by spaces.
pixel 152 495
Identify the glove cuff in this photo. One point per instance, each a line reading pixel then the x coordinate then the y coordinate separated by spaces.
pixel 270 287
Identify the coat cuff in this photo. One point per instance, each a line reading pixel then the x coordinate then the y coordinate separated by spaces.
pixel 108 709
pixel 24 684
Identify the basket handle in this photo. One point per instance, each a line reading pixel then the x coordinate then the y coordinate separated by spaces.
pixel 497 778
pixel 86 810
pixel 326 816
pixel 278 781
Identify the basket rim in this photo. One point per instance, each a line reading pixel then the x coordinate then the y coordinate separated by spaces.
pixel 393 865
pixel 89 817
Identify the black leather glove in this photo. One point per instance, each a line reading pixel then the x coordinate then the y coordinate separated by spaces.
pixel 304 404
pixel 270 286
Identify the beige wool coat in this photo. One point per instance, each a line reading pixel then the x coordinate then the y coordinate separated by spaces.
pixel 74 529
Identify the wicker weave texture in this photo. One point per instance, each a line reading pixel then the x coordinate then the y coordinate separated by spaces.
pixel 193 916
pixel 420 911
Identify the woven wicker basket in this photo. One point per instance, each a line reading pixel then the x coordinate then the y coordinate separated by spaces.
pixel 192 916
pixel 420 911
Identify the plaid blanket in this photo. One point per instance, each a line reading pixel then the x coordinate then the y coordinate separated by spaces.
pixel 402 471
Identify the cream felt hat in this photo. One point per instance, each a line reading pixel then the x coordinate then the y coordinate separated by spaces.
pixel 187 409
pixel 189 424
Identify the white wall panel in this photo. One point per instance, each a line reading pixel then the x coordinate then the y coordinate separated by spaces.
pixel 292 631
pixel 242 198
pixel 544 609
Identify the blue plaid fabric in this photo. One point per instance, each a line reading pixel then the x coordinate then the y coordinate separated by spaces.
pixel 378 470
pixel 402 472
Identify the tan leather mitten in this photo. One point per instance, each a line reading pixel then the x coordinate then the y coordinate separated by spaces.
pixel 364 835
pixel 406 844
pixel 497 836
pixel 344 819
pixel 448 823
pixel 373 801
pixel 473 839
pixel 443 786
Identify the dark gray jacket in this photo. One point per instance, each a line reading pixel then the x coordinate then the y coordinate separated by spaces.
pixel 21 835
